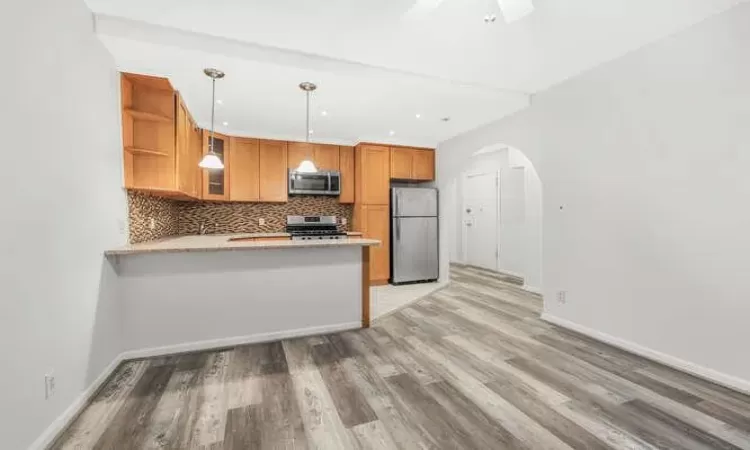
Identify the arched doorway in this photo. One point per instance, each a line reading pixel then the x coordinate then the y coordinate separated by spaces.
pixel 495 216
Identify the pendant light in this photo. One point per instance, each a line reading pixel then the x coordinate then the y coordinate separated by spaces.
pixel 307 166
pixel 211 160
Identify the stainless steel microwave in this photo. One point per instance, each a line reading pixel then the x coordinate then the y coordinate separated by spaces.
pixel 316 183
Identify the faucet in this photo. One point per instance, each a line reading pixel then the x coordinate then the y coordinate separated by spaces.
pixel 202 229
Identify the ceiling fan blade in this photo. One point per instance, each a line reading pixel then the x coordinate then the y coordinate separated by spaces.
pixel 515 9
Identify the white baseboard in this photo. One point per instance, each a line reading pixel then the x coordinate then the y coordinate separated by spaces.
pixel 732 382
pixel 64 419
pixel 238 340
pixel 532 289
pixel 67 417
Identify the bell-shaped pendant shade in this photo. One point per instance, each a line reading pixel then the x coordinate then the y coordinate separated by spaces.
pixel 307 166
pixel 211 161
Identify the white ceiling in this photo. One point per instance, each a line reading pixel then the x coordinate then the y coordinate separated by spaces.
pixel 378 62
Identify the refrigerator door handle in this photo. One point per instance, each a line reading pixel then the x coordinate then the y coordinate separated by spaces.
pixel 398 230
pixel 397 206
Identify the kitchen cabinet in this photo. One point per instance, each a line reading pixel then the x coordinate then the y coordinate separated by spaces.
pixel 346 166
pixel 402 163
pixel 148 133
pixel 324 156
pixel 244 170
pixel 413 164
pixel 423 168
pixel 372 174
pixel 161 142
pixel 216 181
pixel 273 171
pixel 189 139
pixel 298 152
pixel 374 223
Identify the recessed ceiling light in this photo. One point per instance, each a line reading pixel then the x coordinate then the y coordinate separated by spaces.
pixel 419 115
pixel 324 113
pixel 489 18
pixel 219 102
pixel 311 131
pixel 225 123
pixel 391 133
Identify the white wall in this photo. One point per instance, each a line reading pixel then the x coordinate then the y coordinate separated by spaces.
pixel 647 156
pixel 527 261
pixel 62 206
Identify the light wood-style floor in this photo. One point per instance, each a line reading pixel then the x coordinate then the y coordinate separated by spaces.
pixel 469 367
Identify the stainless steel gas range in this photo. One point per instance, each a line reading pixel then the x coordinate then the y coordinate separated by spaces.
pixel 313 227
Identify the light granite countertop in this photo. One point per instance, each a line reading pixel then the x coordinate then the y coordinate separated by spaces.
pixel 221 242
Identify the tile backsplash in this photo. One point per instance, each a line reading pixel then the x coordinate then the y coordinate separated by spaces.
pixel 151 217
pixel 154 218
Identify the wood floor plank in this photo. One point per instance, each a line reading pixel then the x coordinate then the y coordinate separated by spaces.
pixel 322 423
pixel 485 431
pixel 129 427
pixel 434 421
pixel 242 429
pixel 171 413
pixel 351 405
pixel 531 405
pixel 405 433
pixel 94 420
pixel 209 402
pixel 521 426
pixel 373 436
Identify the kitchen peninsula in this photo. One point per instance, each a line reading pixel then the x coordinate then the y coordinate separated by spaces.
pixel 194 292
pixel 188 279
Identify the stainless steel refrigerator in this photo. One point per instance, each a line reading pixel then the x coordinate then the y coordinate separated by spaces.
pixel 414 235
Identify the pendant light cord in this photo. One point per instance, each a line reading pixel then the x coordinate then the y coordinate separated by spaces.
pixel 213 113
pixel 307 119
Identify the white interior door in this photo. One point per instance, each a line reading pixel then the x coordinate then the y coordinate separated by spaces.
pixel 513 242
pixel 480 224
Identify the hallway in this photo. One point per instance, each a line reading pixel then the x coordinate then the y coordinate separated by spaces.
pixel 470 366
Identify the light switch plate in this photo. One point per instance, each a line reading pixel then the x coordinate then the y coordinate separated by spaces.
pixel 261 221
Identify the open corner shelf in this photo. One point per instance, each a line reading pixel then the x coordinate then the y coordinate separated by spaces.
pixel 143 115
pixel 146 151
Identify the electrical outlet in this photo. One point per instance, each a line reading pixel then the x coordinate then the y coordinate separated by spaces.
pixel 49 385
pixel 562 297
pixel 152 223
pixel 261 221
pixel 343 221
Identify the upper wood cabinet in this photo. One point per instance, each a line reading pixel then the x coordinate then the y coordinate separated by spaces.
pixel 415 164
pixel 402 163
pixel 216 181
pixel 324 156
pixel 372 174
pixel 273 171
pixel 423 168
pixel 298 152
pixel 189 143
pixel 346 166
pixel 148 133
pixel 244 170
